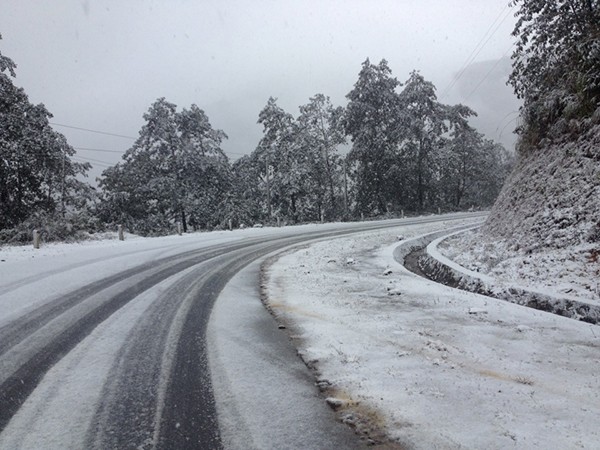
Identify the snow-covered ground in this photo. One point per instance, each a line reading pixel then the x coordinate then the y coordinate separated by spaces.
pixel 59 411
pixel 570 272
pixel 431 366
pixel 58 267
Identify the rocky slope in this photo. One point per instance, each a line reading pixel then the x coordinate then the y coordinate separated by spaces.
pixel 552 198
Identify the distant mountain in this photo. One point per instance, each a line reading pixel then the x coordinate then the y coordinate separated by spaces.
pixel 482 86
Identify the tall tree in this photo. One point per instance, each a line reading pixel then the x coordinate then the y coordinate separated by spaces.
pixel 250 189
pixel 175 171
pixel 425 124
pixel 372 120
pixel 284 170
pixel 473 169
pixel 319 135
pixel 556 66
pixel 36 171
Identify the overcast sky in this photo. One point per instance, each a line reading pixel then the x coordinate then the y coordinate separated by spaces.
pixel 100 64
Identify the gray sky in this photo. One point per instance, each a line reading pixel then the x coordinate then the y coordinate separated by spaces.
pixel 100 64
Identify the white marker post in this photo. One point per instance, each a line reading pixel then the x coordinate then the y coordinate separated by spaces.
pixel 36 239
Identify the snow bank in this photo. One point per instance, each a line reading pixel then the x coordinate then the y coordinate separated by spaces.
pixel 425 366
pixel 438 267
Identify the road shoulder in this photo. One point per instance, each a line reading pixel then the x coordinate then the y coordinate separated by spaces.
pixel 265 395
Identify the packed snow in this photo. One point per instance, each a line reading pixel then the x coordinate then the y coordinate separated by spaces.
pixel 427 366
pixel 570 272
pixel 397 357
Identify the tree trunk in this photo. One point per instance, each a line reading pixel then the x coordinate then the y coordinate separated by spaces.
pixel 293 207
pixel 183 221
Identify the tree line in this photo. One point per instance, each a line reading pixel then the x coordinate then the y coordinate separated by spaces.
pixel 408 153
pixel 393 149
pixel 40 186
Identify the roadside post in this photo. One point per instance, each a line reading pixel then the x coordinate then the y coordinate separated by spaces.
pixel 36 239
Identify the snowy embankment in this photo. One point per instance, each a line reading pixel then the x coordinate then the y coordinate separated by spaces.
pixel 524 282
pixel 543 232
pixel 420 365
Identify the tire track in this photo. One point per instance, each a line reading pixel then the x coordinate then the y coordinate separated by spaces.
pixel 161 395
pixel 183 414
pixel 17 330
pixel 18 382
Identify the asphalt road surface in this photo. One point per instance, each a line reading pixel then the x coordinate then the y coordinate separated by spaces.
pixel 146 387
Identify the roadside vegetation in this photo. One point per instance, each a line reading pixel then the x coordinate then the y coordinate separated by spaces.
pixel 394 149
pixel 544 229
pixel 552 199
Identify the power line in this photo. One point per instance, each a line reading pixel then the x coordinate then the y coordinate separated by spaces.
pixel 104 150
pixel 482 42
pixel 480 45
pixel 513 120
pixel 93 160
pixel 92 131
pixel 99 150
pixel 116 135
pixel 489 72
pixel 501 121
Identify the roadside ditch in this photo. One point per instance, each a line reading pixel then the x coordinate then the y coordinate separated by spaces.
pixel 414 255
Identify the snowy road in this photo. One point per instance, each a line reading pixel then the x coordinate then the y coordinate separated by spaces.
pixel 103 345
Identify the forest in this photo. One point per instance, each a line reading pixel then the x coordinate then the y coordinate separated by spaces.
pixel 392 150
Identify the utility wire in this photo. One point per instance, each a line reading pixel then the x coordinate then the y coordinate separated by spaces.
pixel 99 150
pixel 121 152
pixel 489 72
pixel 513 120
pixel 92 131
pixel 112 134
pixel 480 45
pixel 93 160
pixel 501 121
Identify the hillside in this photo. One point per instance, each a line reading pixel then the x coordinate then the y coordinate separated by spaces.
pixel 552 198
pixel 543 232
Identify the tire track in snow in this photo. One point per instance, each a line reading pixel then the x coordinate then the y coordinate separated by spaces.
pixel 186 402
pixel 161 394
pixel 41 352
pixel 17 330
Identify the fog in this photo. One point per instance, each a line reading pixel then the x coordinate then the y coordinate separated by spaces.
pixel 99 65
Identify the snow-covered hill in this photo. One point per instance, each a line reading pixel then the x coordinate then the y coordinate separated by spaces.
pixel 552 198
pixel 544 230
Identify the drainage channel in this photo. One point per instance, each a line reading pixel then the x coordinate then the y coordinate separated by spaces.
pixel 418 262
pixel 412 262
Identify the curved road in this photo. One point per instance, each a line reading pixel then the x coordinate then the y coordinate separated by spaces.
pixel 153 389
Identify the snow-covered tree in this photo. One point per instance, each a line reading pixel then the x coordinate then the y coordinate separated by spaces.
pixel 422 134
pixel 551 198
pixel 37 175
pixel 473 169
pixel 426 127
pixel 295 173
pixel 556 67
pixel 319 135
pixel 284 169
pixel 372 121
pixel 250 189
pixel 175 171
